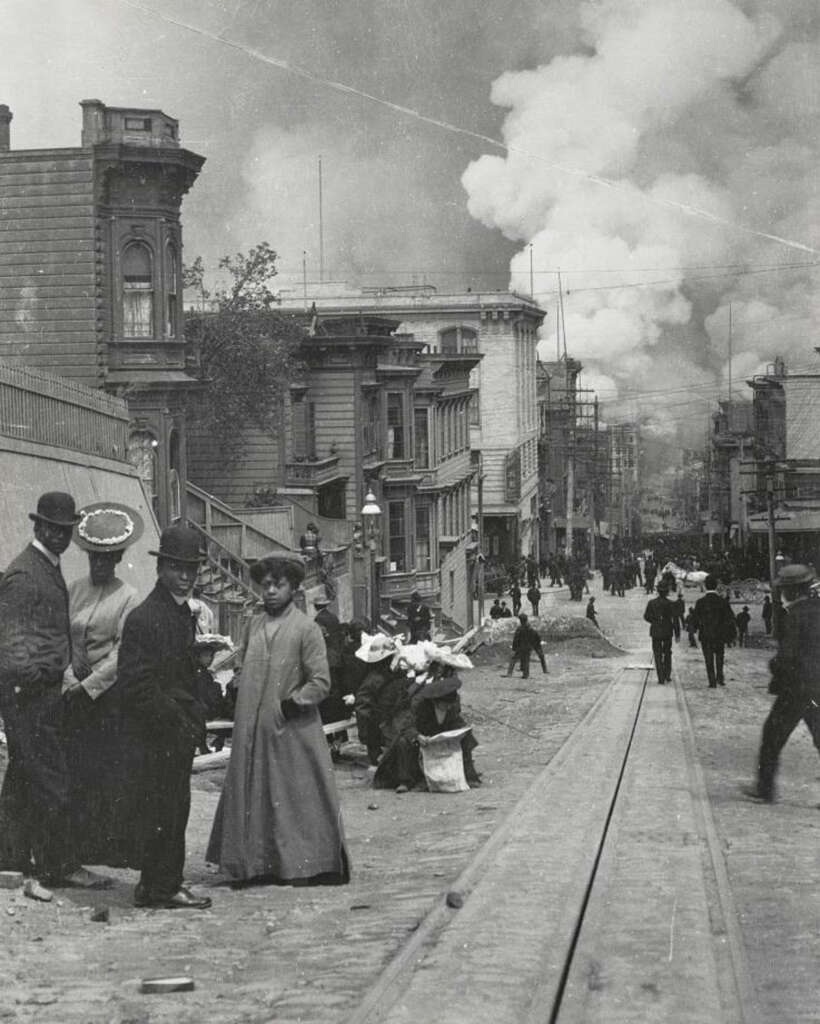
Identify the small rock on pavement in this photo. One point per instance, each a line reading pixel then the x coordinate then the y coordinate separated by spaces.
pixel 101 913
pixel 372 807
pixel 455 899
pixel 11 879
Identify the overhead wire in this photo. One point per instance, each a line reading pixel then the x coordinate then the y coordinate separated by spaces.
pixel 600 180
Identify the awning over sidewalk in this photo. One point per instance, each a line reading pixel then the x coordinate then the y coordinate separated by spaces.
pixel 788 519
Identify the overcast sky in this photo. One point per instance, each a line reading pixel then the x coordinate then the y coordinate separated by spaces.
pixel 655 147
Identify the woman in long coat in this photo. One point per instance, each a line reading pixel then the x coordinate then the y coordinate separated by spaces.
pixel 98 606
pixel 279 818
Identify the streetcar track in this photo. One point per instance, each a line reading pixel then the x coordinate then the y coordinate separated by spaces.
pixel 395 977
pixel 744 990
pixel 547 989
pixel 573 944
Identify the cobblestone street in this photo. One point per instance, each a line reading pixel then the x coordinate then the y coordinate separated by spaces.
pixel 305 955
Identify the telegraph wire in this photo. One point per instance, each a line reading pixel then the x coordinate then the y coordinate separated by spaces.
pixel 341 87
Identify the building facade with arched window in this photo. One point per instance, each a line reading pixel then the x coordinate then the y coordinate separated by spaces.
pixel 95 288
pixel 502 328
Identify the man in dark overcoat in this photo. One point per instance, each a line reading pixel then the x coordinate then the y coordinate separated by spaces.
pixel 795 676
pixel 156 680
pixel 716 627
pixel 659 614
pixel 525 640
pixel 332 708
pixel 35 650
pixel 418 618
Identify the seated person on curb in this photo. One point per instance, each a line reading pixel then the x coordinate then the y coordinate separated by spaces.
pixel 437 709
pixel 378 695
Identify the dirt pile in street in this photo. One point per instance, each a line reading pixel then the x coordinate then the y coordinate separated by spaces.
pixel 571 634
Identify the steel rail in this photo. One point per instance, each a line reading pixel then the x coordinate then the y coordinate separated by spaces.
pixel 393 980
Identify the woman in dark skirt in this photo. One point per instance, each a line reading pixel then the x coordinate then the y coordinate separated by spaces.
pixel 98 755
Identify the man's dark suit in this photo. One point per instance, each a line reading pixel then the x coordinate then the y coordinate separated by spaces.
pixel 659 613
pixel 156 688
pixel 716 625
pixel 35 650
pixel 796 682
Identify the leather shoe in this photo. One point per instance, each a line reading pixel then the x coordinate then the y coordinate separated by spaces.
pixel 82 878
pixel 756 794
pixel 183 899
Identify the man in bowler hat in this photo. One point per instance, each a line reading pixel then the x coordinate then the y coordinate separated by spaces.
pixel 35 650
pixel 157 681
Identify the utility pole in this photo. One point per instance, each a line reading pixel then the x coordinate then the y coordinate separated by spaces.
pixel 771 521
pixel 321 229
pixel 570 464
pixel 479 553
pixel 304 277
pixel 591 499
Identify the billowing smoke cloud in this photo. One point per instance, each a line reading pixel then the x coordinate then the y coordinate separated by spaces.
pixel 699 105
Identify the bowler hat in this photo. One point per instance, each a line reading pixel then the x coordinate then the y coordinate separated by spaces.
pixel 181 544
pixel 57 508
pixel 108 526
pixel 794 576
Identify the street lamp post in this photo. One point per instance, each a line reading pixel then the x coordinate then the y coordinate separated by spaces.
pixel 371 516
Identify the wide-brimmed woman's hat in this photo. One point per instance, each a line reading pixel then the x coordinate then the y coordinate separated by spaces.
pixel 212 642
pixel 376 648
pixel 57 508
pixel 180 544
pixel 108 526
pixel 441 688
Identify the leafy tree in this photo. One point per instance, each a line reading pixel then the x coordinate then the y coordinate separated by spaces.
pixel 248 352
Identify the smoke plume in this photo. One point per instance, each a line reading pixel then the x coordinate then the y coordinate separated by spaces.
pixel 700 105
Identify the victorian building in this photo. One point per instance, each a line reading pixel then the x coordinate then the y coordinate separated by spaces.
pixel 91 271
pixel 501 327
pixel 370 412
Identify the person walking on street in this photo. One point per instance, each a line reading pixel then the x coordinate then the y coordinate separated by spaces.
pixel 618 579
pixel 795 677
pixel 678 614
pixel 525 640
pixel 766 615
pixel 659 613
pixel 534 597
pixel 742 620
pixel 418 618
pixel 716 627
pixel 649 573
pixel 691 627
pixel 278 818
pixel 162 718
pixel 36 833
pixel 515 594
pixel 591 611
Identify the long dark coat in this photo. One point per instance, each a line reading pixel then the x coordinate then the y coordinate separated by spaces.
pixel 161 720
pixel 279 814
pixel 34 652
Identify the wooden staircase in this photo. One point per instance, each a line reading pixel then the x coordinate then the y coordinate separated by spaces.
pixel 233 544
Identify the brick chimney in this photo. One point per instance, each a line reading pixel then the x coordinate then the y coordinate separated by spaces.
pixel 93 122
pixel 5 132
